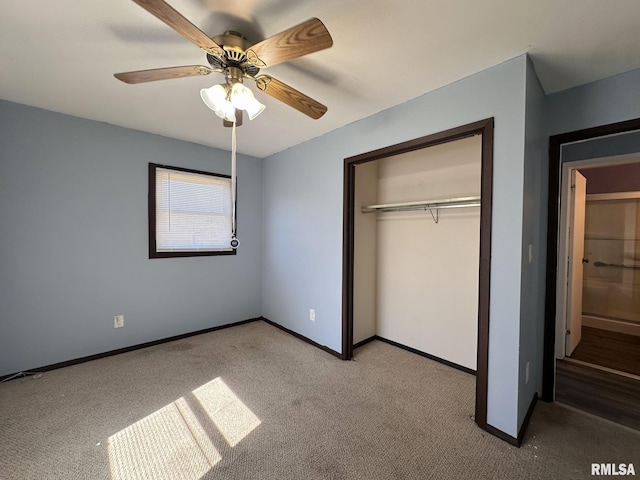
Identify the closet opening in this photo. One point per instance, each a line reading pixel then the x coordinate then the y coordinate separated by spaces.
pixel 416 249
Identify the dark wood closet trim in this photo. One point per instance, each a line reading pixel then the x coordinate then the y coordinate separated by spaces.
pixel 527 418
pixel 553 212
pixel 118 351
pixel 484 128
pixel 427 355
pixel 516 441
pixel 302 337
pixel 502 436
pixel 417 352
pixel 365 341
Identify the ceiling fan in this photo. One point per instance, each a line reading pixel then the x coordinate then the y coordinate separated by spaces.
pixel 231 54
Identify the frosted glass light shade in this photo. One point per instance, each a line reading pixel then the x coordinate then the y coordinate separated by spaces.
pixel 227 111
pixel 240 96
pixel 254 109
pixel 214 97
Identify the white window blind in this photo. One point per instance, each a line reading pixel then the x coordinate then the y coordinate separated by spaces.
pixel 193 212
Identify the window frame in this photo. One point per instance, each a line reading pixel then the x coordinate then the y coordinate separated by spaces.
pixel 153 251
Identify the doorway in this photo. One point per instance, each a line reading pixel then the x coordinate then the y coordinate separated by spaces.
pixel 598 390
pixel 556 144
pixel 598 314
pixel 483 128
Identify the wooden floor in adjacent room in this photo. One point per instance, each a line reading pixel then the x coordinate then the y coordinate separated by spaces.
pixel 602 376
pixel 618 351
pixel 599 391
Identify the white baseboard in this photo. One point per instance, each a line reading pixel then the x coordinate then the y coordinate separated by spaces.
pixel 612 325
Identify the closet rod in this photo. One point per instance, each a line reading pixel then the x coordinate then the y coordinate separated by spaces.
pixel 460 202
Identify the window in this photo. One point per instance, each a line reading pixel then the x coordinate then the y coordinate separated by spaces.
pixel 189 213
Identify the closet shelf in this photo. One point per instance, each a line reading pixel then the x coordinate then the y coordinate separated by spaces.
pixel 460 202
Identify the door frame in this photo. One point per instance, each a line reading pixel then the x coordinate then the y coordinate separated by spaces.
pixel 484 128
pixel 553 238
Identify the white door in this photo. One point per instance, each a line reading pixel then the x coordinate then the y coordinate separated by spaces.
pixel 577 199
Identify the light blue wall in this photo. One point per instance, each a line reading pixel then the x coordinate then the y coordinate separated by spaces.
pixel 74 244
pixel 602 147
pixel 303 205
pixel 611 100
pixel 534 234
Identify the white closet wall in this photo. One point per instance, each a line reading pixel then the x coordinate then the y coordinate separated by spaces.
pixel 426 273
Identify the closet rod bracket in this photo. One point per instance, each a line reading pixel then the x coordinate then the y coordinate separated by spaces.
pixel 435 217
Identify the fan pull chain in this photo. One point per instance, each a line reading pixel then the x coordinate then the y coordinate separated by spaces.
pixel 234 240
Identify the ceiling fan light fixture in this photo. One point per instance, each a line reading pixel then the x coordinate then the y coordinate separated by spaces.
pixel 254 109
pixel 240 96
pixel 227 112
pixel 243 99
pixel 214 97
pixel 224 99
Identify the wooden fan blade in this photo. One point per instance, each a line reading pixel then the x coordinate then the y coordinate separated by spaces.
pixel 165 12
pixel 142 76
pixel 290 96
pixel 305 38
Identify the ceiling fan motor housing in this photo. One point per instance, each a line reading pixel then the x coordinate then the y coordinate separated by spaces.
pixel 234 46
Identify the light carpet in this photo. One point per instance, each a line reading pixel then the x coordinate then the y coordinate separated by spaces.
pixel 253 402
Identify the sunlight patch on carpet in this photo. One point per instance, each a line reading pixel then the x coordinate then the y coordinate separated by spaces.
pixel 171 442
pixel 232 417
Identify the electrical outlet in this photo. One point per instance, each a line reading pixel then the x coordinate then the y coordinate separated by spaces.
pixel 312 315
pixel 118 321
pixel 526 373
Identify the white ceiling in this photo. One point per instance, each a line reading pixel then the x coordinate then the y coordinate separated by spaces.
pixel 61 55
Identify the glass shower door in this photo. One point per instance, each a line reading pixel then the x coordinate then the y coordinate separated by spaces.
pixel 611 285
